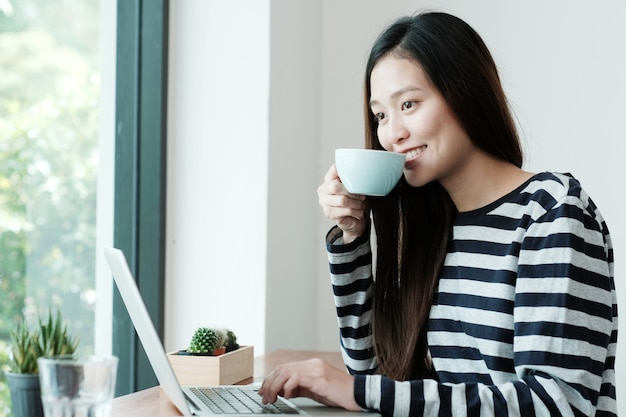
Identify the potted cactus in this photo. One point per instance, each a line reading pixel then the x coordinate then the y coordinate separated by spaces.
pixel 205 341
pixel 212 342
pixel 49 338
pixel 212 357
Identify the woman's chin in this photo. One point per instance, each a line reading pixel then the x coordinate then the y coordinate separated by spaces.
pixel 416 180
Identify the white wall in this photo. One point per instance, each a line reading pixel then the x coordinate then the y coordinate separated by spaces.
pixel 217 169
pixel 255 97
pixel 292 203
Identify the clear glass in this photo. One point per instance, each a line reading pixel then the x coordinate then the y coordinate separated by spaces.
pixel 77 387
pixel 49 112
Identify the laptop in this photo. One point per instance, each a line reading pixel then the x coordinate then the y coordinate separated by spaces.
pixel 199 400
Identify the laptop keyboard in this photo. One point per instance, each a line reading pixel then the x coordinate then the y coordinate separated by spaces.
pixel 239 401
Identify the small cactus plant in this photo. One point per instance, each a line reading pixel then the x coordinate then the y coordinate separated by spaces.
pixel 205 340
pixel 208 341
pixel 230 341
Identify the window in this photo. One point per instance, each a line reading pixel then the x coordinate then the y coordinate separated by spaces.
pixel 49 161
pixel 57 175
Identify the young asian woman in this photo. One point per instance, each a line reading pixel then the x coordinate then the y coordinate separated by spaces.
pixel 493 291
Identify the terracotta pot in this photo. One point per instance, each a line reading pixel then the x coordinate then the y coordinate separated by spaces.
pixel 219 351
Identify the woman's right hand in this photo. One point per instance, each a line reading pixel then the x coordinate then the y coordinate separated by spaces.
pixel 313 379
pixel 349 211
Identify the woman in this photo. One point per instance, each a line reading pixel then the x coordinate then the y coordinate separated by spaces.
pixel 493 290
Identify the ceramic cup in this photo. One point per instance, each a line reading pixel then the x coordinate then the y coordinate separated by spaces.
pixel 369 172
pixel 77 386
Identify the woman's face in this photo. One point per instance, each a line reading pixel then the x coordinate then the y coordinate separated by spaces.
pixel 414 119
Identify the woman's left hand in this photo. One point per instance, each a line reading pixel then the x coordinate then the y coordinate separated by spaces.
pixel 311 378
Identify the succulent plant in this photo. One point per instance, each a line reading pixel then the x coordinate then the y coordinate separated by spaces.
pixel 205 340
pixel 25 350
pixel 54 338
pixel 47 339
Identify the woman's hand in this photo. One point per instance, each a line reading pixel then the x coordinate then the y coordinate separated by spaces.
pixel 313 379
pixel 348 211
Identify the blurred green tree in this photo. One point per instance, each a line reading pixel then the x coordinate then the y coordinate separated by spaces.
pixel 49 98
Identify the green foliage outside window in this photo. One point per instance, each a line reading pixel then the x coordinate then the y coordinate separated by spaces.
pixel 49 92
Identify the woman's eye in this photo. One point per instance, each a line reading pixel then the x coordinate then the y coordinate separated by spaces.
pixel 379 117
pixel 407 105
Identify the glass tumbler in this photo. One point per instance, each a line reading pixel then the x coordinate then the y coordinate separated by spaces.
pixel 77 386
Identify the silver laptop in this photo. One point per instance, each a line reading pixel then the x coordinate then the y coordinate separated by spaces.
pixel 226 399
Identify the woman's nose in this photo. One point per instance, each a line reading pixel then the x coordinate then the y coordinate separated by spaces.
pixel 397 130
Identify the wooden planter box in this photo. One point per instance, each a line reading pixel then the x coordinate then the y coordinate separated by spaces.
pixel 226 369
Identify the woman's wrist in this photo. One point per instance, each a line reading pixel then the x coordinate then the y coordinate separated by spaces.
pixel 337 237
pixel 349 237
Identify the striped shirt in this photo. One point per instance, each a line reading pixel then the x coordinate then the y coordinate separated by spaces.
pixel 524 320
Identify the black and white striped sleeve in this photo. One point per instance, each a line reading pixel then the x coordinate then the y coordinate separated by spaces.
pixel 352 284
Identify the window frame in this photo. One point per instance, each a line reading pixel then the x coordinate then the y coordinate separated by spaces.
pixel 140 175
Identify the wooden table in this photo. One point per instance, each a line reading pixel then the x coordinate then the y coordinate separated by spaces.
pixel 154 403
